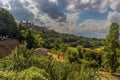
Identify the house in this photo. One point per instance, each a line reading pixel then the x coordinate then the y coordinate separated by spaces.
pixel 41 51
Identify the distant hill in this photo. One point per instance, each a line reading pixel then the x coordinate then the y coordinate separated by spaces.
pixel 50 37
pixel 7 46
pixel 69 39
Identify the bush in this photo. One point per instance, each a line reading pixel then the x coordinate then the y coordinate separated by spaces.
pixel 31 73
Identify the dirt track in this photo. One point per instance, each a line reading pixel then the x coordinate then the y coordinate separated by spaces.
pixel 7 46
pixel 109 76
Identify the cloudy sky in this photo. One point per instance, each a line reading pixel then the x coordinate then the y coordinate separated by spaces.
pixel 90 18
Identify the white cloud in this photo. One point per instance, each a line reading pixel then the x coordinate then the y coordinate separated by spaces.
pixel 115 4
pixel 89 28
pixel 97 5
pixel 72 17
pixel 94 28
pixel 104 6
pixel 65 27
pixel 114 17
pixel 30 6
pixel 53 1
pixel 85 1
pixel 71 7
pixel 6 4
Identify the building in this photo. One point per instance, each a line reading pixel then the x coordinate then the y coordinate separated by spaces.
pixel 41 51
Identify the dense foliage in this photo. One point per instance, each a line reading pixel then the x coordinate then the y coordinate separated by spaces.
pixel 110 52
pixel 24 64
pixel 32 38
pixel 8 25
pixel 50 37
pixel 80 64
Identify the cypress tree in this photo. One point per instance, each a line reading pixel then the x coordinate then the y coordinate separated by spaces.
pixel 110 55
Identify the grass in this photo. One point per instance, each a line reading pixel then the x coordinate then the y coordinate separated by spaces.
pixel 73 49
pixel 88 49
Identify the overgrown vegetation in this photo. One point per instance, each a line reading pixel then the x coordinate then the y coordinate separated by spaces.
pixel 111 49
pixel 32 38
pixel 80 62
pixel 52 37
pixel 8 26
pixel 22 62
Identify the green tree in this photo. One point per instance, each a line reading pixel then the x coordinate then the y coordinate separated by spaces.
pixel 73 56
pixel 110 55
pixel 63 47
pixel 32 73
pixel 32 38
pixel 21 58
pixel 8 25
pixel 81 51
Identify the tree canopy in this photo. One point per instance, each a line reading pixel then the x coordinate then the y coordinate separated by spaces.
pixel 8 25
pixel 110 54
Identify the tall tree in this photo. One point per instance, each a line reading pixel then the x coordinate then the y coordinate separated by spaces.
pixel 110 57
pixel 8 26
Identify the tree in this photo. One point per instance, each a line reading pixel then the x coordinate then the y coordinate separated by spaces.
pixel 21 58
pixel 63 47
pixel 109 58
pixel 32 73
pixel 8 25
pixel 81 51
pixel 72 56
pixel 32 38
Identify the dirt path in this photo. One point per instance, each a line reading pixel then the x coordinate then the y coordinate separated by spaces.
pixel 108 76
pixel 56 56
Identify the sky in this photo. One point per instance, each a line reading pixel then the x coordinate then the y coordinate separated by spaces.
pixel 89 18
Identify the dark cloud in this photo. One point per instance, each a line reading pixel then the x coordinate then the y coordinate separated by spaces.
pixel 63 3
pixel 20 12
pixel 52 9
pixel 55 10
